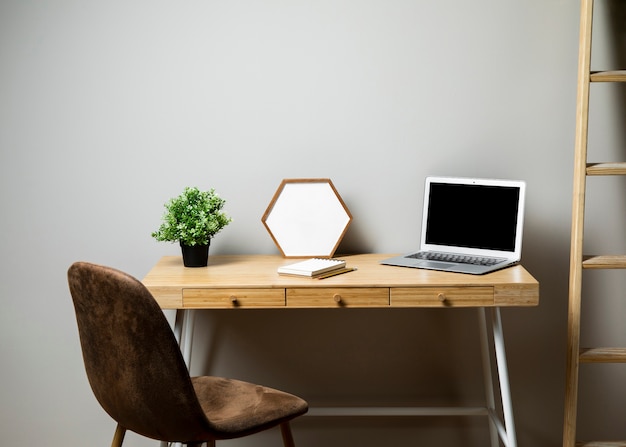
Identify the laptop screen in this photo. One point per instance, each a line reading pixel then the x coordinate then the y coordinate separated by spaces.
pixel 473 216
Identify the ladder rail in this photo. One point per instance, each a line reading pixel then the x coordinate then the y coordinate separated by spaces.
pixel 578 260
pixel 578 214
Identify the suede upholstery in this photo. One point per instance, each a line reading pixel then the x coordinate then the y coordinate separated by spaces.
pixel 137 373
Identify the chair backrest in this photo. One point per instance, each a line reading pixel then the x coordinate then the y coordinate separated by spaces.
pixel 133 363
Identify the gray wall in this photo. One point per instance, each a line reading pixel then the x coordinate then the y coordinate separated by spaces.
pixel 107 109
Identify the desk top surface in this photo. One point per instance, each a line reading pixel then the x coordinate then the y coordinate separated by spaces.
pixel 168 278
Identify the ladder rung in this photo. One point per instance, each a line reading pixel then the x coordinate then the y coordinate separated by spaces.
pixel 600 443
pixel 606 169
pixel 602 355
pixel 605 262
pixel 608 76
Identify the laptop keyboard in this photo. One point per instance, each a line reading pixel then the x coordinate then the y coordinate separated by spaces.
pixel 449 257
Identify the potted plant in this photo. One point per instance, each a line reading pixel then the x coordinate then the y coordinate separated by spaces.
pixel 192 219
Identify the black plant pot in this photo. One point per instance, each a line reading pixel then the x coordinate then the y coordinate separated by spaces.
pixel 195 255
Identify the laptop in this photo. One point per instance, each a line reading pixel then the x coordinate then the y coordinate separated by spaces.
pixel 469 226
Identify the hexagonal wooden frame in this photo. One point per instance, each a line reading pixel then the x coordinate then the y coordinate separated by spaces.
pixel 307 218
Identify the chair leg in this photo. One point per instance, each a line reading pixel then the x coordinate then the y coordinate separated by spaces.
pixel 118 437
pixel 285 429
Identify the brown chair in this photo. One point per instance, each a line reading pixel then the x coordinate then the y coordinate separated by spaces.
pixel 137 373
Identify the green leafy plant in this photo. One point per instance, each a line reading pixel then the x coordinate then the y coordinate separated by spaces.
pixel 192 218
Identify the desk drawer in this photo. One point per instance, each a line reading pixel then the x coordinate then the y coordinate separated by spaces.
pixel 233 298
pixel 441 296
pixel 338 297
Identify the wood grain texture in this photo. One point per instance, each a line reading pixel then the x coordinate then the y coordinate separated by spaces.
pixel 231 281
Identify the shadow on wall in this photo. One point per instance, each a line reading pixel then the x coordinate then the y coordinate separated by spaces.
pixel 536 338
pixel 356 357
pixel 617 38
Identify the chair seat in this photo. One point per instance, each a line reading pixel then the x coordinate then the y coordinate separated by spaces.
pixel 234 407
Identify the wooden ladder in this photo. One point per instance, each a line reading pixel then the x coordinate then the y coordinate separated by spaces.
pixel 579 261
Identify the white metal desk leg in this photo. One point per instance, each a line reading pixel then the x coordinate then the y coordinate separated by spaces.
pixel 183 331
pixel 505 390
pixel 488 378
pixel 186 339
pixel 178 325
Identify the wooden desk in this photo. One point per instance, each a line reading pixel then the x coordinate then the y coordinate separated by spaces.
pixel 251 281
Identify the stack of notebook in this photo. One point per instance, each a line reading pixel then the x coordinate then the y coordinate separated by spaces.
pixel 315 268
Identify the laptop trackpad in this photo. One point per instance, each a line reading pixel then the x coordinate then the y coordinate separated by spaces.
pixel 434 265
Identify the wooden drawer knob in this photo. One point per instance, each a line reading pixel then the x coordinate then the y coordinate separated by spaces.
pixel 337 298
pixel 442 297
pixel 233 299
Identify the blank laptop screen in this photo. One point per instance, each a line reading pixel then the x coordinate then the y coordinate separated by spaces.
pixel 472 216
